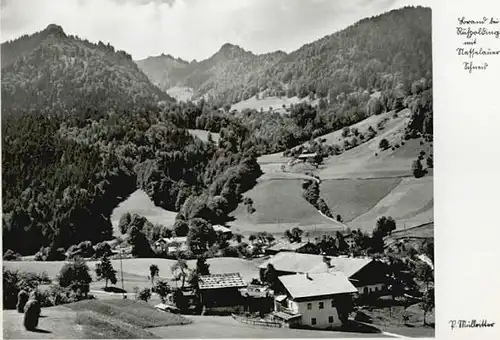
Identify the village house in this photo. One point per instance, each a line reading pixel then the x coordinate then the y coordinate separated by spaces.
pixel 223 230
pixel 322 300
pixel 221 292
pixel 172 245
pixel 367 275
pixel 349 239
pixel 285 245
pixel 306 156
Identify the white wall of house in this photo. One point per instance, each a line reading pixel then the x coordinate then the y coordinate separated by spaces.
pixel 315 316
pixel 368 289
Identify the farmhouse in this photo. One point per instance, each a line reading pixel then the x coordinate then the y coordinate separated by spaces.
pixel 221 292
pixel 223 230
pixel 306 156
pixel 367 275
pixel 349 239
pixel 320 300
pixel 285 245
pixel 172 244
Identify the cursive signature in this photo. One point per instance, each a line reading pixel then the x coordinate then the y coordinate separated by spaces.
pixel 471 324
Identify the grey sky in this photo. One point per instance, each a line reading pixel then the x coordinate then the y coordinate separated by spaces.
pixel 192 29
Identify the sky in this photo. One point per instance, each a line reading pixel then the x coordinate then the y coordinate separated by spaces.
pixel 192 29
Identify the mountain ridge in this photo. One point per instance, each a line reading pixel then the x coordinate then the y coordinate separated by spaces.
pixel 57 72
pixel 233 74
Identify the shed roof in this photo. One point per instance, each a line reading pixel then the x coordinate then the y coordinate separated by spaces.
pixel 310 285
pixel 216 281
pixel 309 263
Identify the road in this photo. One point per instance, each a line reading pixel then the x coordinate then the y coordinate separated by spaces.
pixel 226 327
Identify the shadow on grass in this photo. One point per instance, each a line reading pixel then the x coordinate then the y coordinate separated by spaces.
pixel 351 327
pixel 114 290
pixel 358 327
pixel 39 330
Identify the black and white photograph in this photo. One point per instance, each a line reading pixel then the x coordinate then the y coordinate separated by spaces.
pixel 217 169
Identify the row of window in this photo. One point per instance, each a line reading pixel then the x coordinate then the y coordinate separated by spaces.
pixel 330 320
pixel 321 305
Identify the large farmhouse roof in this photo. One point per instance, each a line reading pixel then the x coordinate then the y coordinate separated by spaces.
pixel 216 281
pixel 308 263
pixel 286 245
pixel 311 285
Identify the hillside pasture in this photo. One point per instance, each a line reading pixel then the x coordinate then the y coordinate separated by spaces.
pixel 410 203
pixel 94 319
pixel 180 93
pixel 353 197
pixel 265 103
pixel 139 203
pixel 279 201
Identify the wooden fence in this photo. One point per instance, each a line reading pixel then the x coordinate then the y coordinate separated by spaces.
pixel 256 322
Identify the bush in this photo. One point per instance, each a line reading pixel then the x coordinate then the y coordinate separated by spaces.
pixel 417 169
pixel 162 288
pixel 10 255
pixel 144 294
pixel 31 315
pixel 22 298
pixel 75 275
pixel 346 132
pixel 58 295
pixel 102 249
pixel 384 144
pixel 430 162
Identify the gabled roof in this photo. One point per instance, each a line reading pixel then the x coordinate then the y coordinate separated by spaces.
pixel 221 228
pixel 310 285
pixel 170 240
pixel 215 281
pixel 309 263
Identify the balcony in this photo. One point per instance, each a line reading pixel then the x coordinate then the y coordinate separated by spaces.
pixel 281 308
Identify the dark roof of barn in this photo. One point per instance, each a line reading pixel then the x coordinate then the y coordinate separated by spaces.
pixel 216 281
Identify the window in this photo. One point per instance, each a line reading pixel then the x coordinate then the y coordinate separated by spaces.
pixel 321 305
pixel 333 303
pixel 330 319
pixel 309 306
pixel 313 321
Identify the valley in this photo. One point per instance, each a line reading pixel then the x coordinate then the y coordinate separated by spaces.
pixel 135 188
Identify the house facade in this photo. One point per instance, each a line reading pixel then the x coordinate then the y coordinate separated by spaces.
pixel 314 300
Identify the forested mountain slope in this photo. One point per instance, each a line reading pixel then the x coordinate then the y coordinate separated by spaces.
pixel 52 72
pixel 386 52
